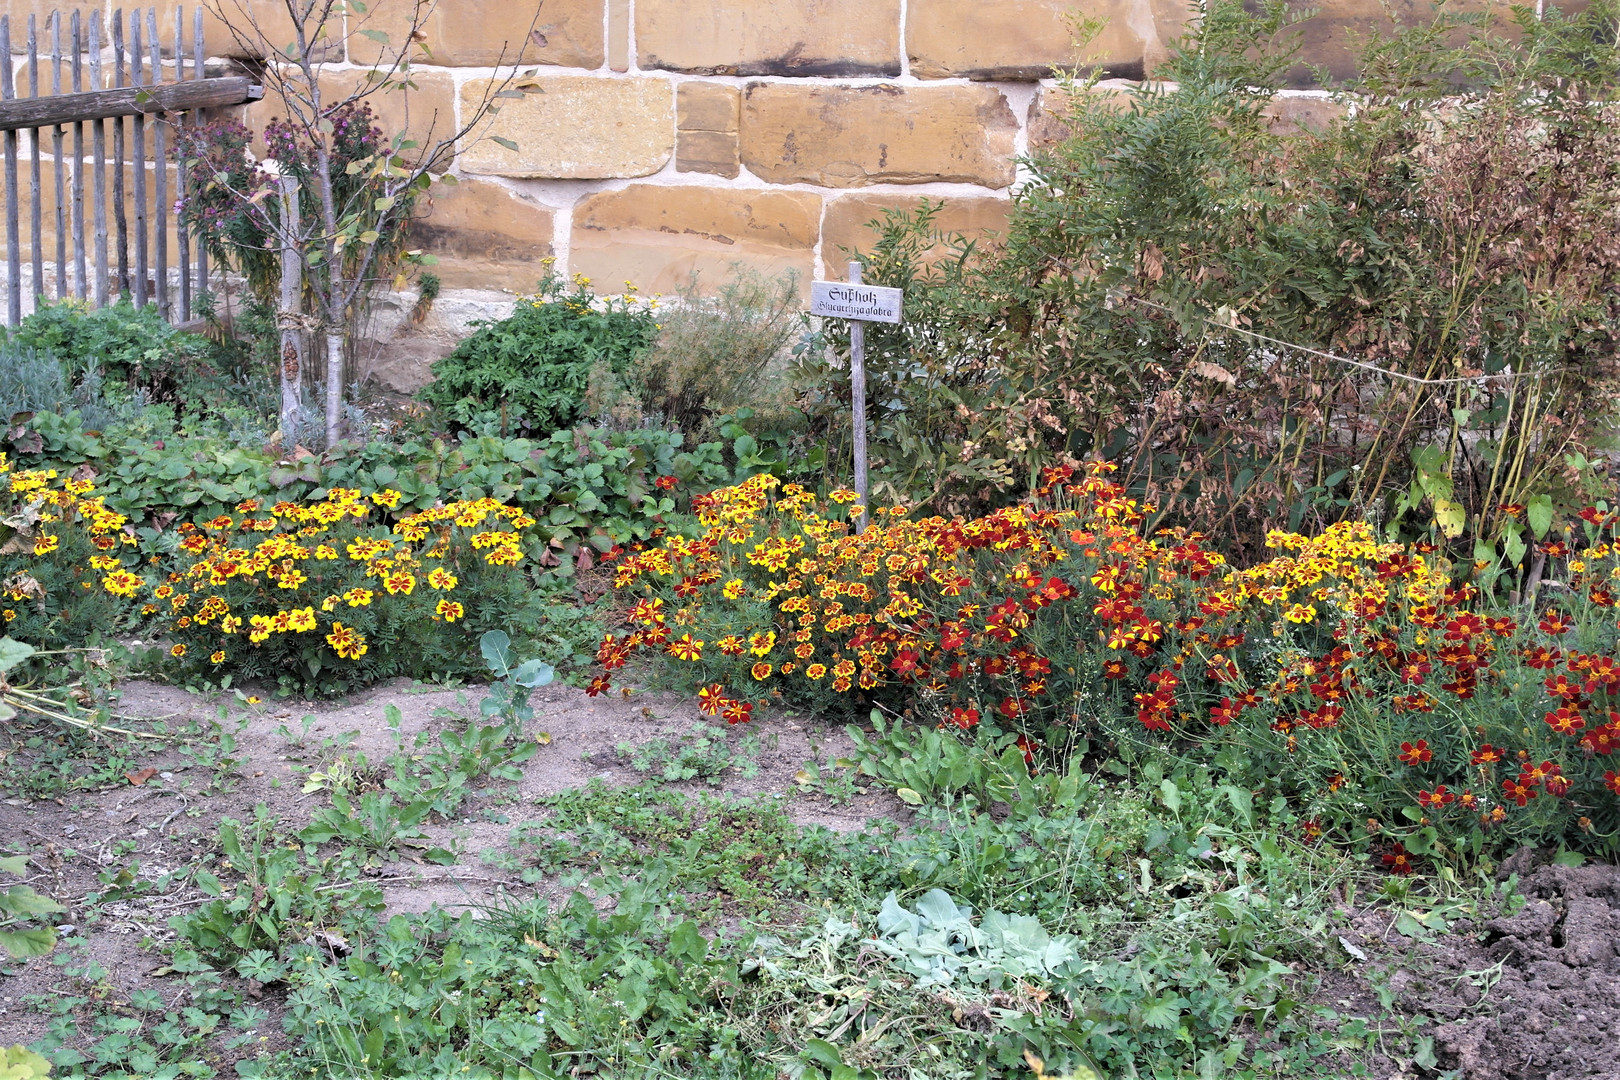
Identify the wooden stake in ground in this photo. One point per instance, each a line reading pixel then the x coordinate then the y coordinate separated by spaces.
pixel 860 304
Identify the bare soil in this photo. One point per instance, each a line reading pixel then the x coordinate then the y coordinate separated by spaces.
pixel 1534 996
pixel 170 821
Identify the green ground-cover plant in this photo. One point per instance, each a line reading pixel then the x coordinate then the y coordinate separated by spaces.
pixel 534 367
pixel 589 490
pixel 1162 262
pixel 706 753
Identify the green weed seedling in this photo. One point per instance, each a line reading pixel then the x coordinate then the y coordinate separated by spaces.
pixel 23 934
pixel 375 825
pixel 706 754
pixel 297 741
pixel 281 896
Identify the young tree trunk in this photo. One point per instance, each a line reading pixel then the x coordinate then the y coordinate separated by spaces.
pixel 334 388
pixel 292 342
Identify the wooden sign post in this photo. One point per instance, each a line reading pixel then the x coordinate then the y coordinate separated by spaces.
pixel 860 304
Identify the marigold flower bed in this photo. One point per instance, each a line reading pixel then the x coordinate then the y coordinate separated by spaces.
pixel 1362 683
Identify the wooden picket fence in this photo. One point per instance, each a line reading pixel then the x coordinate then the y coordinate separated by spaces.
pixel 103 98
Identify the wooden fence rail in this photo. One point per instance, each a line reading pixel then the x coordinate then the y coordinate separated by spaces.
pixel 143 94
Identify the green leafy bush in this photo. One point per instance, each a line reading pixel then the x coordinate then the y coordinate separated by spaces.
pixel 535 366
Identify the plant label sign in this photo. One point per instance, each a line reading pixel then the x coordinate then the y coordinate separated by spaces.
pixel 847 300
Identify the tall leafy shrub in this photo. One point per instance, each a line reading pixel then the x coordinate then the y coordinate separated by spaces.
pixel 1406 313
pixel 535 366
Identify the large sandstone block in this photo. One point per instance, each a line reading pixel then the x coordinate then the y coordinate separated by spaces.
pixel 574 127
pixel 422 110
pixel 481 33
pixel 706 121
pixel 1026 39
pixel 1050 116
pixel 256 29
pixel 484 236
pixel 786 37
pixel 658 236
pixel 852 224
pixel 1329 38
pixel 849 136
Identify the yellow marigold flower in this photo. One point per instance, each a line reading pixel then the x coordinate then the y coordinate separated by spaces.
pixel 449 610
pixel 400 582
pixel 45 544
pixel 815 671
pixel 291 578
pixel 1300 613
pixel 803 651
pixel 9 614
pixel 177 651
pixel 301 619
pixel 230 624
pixel 217 658
pixel 733 589
pixel 326 551
pixel 103 562
pixel 440 578
pixel 760 644
pixel 121 583
pixel 347 642
pixel 761 671
pixel 330 602
pixel 504 556
pixel 685 647
pixel 358 597
pixel 387 498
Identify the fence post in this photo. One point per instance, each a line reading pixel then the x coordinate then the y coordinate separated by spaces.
pixel 13 256
pixel 291 318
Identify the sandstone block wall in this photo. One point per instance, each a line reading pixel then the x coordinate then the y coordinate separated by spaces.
pixel 657 137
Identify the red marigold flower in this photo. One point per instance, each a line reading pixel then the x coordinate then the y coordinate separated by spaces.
pixel 1517 791
pixel 1416 753
pixel 1501 625
pixel 1542 657
pixel 1564 720
pixel 1468 800
pixel 1433 800
pixel 965 718
pixel 710 698
pixel 1487 755
pixel 1028 746
pixel 1555 622
pixel 1011 708
pixel 736 712
pixel 1464 625
pixel 665 483
pixel 1611 780
pixel 1335 781
pixel 1223 714
pixel 1413 671
pixel 1601 740
pixel 1311 830
pixel 1115 669
pixel 1397 861
pixel 1561 685
pixel 599 685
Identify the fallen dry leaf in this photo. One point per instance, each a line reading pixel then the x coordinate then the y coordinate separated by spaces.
pixel 140 776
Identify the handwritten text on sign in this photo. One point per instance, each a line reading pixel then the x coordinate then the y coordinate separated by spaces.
pixel 871 303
